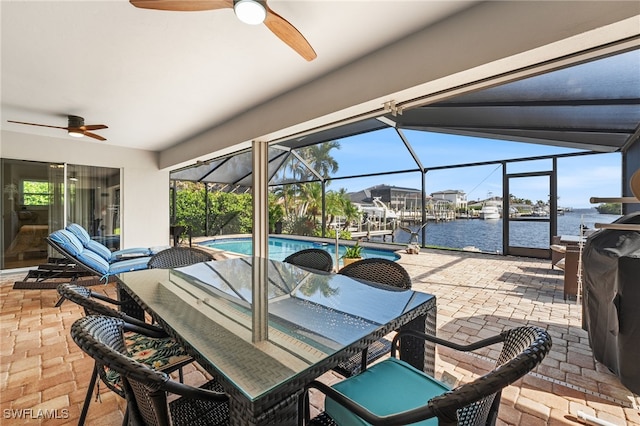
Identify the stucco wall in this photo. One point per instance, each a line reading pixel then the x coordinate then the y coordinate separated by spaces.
pixel 144 188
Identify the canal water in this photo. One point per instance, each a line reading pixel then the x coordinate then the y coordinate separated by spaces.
pixel 486 235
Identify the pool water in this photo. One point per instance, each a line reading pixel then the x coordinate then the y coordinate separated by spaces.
pixel 280 248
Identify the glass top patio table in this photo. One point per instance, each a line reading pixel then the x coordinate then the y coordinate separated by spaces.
pixel 266 328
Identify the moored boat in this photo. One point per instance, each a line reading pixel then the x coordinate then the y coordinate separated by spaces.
pixel 489 211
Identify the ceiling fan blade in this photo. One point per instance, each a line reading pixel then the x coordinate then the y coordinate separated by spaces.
pixel 183 5
pixel 94 127
pixel 34 124
pixel 93 135
pixel 289 34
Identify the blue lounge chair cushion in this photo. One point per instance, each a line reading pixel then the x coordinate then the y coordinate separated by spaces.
pixel 99 249
pixel 389 387
pixel 103 250
pixel 157 249
pixel 129 265
pixel 94 261
pixel 98 263
pixel 67 241
pixel 80 233
pixel 117 256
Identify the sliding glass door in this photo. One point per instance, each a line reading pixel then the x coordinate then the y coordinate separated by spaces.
pixel 93 201
pixel 36 197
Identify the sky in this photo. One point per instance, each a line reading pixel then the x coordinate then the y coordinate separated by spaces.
pixel 579 178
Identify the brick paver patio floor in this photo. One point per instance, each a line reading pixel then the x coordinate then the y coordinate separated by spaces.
pixel 43 372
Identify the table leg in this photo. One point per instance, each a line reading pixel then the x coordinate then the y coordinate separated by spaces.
pixel 417 352
pixel 284 413
pixel 129 306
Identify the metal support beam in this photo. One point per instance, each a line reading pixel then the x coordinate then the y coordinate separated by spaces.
pixel 505 208
pixel 206 209
pixel 260 236
pixel 553 201
pixel 424 208
pixel 324 209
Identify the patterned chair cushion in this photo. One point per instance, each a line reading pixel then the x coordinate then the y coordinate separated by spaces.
pixel 158 353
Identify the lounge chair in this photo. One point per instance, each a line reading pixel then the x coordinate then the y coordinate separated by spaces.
pixel 55 269
pixel 98 262
pixel 101 249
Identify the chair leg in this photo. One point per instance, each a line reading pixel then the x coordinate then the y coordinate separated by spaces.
pixel 363 365
pixel 493 411
pixel 125 419
pixel 87 399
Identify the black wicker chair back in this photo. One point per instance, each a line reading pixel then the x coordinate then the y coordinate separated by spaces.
pixel 86 298
pixel 472 404
pixel 146 389
pixel 377 270
pixel 313 258
pixel 477 403
pixel 175 257
pixel 380 271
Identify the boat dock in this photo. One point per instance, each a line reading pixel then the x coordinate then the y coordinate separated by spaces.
pixel 368 234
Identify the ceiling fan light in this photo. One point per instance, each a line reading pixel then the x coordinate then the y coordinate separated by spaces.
pixel 76 134
pixel 250 12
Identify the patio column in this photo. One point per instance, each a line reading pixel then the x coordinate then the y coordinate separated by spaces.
pixel 260 162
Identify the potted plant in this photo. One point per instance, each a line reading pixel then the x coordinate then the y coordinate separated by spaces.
pixel 352 254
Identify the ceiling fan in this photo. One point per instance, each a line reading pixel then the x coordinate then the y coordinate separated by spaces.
pixel 248 11
pixel 76 127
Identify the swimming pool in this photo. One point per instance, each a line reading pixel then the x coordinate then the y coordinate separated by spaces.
pixel 280 248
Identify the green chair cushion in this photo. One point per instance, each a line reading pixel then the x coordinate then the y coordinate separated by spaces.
pixel 163 354
pixel 389 387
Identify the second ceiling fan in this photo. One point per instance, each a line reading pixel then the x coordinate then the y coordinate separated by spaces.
pixel 248 11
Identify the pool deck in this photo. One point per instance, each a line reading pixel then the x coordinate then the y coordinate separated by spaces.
pixel 478 295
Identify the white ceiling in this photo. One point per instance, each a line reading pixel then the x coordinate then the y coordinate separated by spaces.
pixel 157 78
pixel 188 84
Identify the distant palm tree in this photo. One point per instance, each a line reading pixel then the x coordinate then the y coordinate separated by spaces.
pixel 339 204
pixel 302 198
pixel 351 214
pixel 320 159
pixel 310 199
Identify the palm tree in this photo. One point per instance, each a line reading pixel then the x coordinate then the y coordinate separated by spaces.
pixel 333 206
pixel 339 204
pixel 311 199
pixel 351 214
pixel 320 159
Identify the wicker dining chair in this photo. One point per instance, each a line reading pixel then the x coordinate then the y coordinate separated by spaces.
pixel 167 355
pixel 393 392
pixel 380 271
pixel 145 388
pixel 175 257
pixel 312 258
